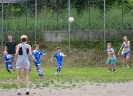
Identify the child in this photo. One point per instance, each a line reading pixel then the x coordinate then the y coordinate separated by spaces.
pixel 111 61
pixel 8 60
pixel 36 54
pixel 58 55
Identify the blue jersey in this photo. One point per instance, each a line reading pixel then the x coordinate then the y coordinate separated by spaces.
pixel 58 56
pixel 37 55
pixel 8 58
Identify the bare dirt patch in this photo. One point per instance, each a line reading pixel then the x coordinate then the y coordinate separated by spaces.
pixel 89 89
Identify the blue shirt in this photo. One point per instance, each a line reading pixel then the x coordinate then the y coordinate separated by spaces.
pixel 58 56
pixel 7 58
pixel 37 55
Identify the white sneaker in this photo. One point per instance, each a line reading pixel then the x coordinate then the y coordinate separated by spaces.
pixel 27 92
pixel 18 92
pixel 56 73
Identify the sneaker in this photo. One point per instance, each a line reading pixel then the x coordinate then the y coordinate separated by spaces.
pixel 19 92
pixel 56 73
pixel 40 74
pixel 110 70
pixel 127 67
pixel 114 71
pixel 27 92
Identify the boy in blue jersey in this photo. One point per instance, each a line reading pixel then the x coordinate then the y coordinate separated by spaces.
pixel 8 60
pixel 111 61
pixel 59 56
pixel 36 55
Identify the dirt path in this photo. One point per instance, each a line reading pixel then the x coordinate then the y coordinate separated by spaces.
pixel 90 89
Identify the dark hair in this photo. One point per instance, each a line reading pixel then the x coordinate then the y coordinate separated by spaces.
pixel 23 39
pixel 36 45
pixel 58 48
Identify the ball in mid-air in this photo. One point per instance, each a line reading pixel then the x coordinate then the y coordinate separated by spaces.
pixel 71 19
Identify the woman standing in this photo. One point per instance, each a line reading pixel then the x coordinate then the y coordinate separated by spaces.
pixel 23 52
pixel 125 51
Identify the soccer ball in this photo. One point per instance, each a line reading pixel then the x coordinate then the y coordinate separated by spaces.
pixel 71 19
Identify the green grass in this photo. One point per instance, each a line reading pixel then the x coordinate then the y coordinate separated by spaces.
pixel 69 77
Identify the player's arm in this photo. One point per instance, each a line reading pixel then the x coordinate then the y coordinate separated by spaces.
pixel 120 48
pixel 5 48
pixel 129 45
pixel 52 59
pixel 33 56
pixel 8 61
pixel 62 54
pixel 44 54
pixel 17 51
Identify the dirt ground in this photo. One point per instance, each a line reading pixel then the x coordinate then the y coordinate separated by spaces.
pixel 89 89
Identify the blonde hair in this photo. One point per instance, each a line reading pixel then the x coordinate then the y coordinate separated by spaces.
pixel 109 44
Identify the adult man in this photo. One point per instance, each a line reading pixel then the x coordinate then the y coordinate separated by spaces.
pixel 10 47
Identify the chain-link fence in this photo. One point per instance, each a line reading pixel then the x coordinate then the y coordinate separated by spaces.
pixel 45 25
pixel 38 20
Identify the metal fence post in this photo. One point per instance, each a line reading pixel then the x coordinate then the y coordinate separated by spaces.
pixel 35 19
pixel 2 36
pixel 69 28
pixel 104 24
pixel 26 18
pixel 122 16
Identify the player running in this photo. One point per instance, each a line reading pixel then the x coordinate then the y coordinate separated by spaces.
pixel 8 61
pixel 36 55
pixel 125 51
pixel 58 55
pixel 111 61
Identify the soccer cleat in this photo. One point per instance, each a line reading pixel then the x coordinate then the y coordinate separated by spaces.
pixel 110 70
pixel 40 74
pixel 114 71
pixel 56 73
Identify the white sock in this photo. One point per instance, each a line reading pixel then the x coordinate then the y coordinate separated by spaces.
pixel 27 89
pixel 19 90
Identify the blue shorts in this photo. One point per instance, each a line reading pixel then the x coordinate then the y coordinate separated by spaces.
pixel 8 66
pixel 110 61
pixel 59 64
pixel 39 64
pixel 126 54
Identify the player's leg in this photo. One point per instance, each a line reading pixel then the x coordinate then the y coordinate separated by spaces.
pixel 7 68
pixel 40 70
pixel 60 68
pixel 127 60
pixel 19 80
pixel 124 59
pixel 26 79
pixel 108 62
pixel 29 69
pixel 113 63
pixel 13 62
